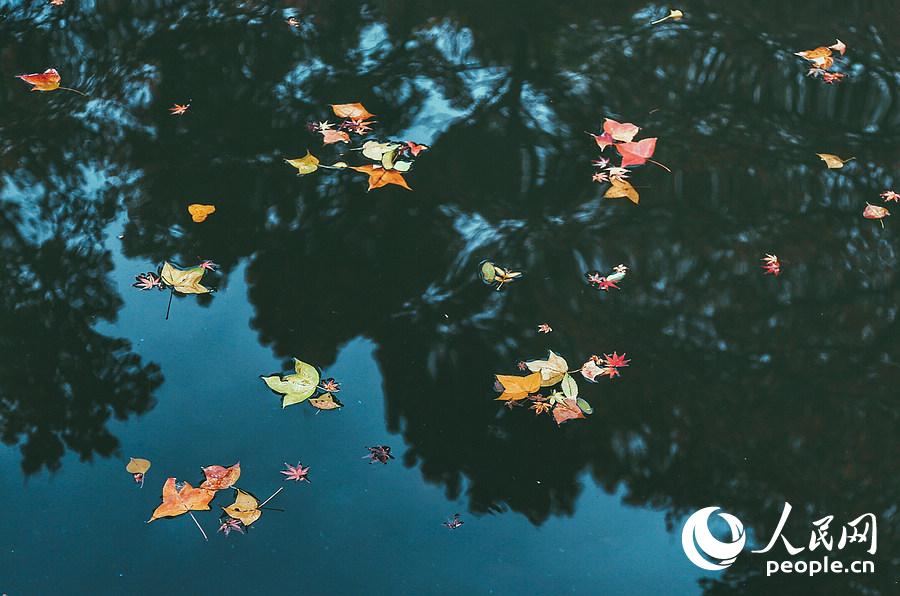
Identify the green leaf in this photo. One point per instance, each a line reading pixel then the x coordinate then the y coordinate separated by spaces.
pixel 584 406
pixel 307 372
pixel 297 387
pixel 488 273
pixel 569 386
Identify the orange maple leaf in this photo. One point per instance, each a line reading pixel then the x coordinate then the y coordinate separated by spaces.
pixel 379 177
pixel 177 502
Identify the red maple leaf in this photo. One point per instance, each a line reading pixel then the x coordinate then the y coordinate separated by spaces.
pixel 635 154
pixel 297 474
pixel 179 109
pixel 615 360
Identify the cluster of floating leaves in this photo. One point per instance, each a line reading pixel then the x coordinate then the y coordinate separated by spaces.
pixel 605 282
pixel 304 384
pixel 390 159
pixel 175 279
pixel 632 153
pixel 180 497
pixel 821 61
pixel 496 276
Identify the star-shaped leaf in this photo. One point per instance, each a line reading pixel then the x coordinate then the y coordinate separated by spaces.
pixel 297 387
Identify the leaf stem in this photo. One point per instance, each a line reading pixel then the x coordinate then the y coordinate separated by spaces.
pixel 270 498
pixel 168 308
pixel 199 527
pixel 74 90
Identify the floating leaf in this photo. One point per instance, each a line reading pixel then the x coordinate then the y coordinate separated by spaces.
pixel 622 188
pixel 675 15
pixel 516 387
pixel 330 136
pixel 635 154
pixel 326 401
pixel 379 177
pixel 584 406
pixel 552 370
pixel 567 410
pixel 244 508
pixel 353 111
pixel 177 502
pixel 875 212
pixel 305 165
pixel 569 386
pixel 219 477
pixel 297 387
pixel 136 465
pixel 619 131
pixel 833 161
pixel 375 150
pixel 45 81
pixel 199 212
pixel 488 272
pixel 184 281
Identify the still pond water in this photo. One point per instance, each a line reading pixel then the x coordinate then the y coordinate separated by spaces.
pixel 744 391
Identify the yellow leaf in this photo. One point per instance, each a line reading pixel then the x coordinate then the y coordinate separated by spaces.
pixel 833 161
pixel 622 188
pixel 244 508
pixel 552 370
pixel 200 212
pixel 673 14
pixel 305 165
pixel 137 466
pixel 185 281
pixel 516 387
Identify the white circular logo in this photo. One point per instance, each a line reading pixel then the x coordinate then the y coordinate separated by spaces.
pixel 696 539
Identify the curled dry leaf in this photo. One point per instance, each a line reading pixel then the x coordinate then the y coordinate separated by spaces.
pixel 45 81
pixel 200 212
pixel 833 161
pixel 177 501
pixel 245 507
pixel 675 15
pixel 305 165
pixel 515 387
pixel 552 370
pixel 622 188
pixel 184 281
pixel 220 477
pixel 297 387
pixel 353 111
pixel 379 177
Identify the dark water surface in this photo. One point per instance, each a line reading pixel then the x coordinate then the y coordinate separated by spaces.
pixel 744 391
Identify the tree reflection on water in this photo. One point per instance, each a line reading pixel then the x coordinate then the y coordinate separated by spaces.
pixel 744 389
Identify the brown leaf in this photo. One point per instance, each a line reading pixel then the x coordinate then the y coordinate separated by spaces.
pixel 354 111
pixel 567 410
pixel 137 466
pixel 622 188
